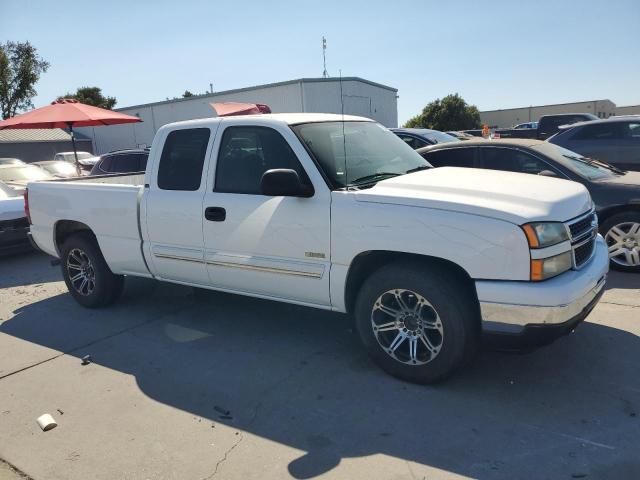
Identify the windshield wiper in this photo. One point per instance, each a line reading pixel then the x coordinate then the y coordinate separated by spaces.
pixel 417 169
pixel 374 178
pixel 599 163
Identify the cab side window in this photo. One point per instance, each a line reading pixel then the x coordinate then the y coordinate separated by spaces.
pixel 413 142
pixel 182 159
pixel 246 153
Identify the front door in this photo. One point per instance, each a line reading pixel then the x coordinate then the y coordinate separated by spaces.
pixel 173 207
pixel 273 246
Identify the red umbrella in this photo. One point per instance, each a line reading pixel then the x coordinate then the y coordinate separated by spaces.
pixel 227 109
pixel 67 113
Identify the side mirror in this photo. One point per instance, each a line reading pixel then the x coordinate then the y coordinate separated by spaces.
pixel 548 173
pixel 284 182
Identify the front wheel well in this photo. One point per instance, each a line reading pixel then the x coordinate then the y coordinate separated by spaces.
pixel 604 215
pixel 368 262
pixel 65 228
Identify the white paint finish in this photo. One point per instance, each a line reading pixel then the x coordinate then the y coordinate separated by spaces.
pixel 561 290
pixel 11 208
pixel 508 196
pixel 483 247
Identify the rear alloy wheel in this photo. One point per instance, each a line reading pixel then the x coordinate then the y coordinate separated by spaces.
pixel 86 273
pixel 622 234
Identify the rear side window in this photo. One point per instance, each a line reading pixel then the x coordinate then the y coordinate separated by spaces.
pixel 413 142
pixel 599 131
pixel 632 130
pixel 510 160
pixel 452 157
pixel 105 164
pixel 246 153
pixel 182 159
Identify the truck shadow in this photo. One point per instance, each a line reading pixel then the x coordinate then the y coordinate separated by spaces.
pixel 298 376
pixel 27 268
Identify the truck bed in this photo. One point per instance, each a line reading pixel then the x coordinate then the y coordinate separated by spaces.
pixel 107 204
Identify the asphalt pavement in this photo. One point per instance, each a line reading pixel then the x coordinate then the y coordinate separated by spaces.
pixel 189 384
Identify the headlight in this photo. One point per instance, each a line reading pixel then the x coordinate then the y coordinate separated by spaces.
pixel 545 234
pixel 542 269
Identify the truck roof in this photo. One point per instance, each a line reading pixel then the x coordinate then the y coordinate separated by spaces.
pixel 288 118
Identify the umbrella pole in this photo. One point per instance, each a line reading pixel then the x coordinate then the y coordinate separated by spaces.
pixel 75 152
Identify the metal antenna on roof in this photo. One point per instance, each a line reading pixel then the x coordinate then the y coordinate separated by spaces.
pixel 325 74
pixel 344 139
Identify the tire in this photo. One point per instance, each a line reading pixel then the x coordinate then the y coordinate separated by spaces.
pixel 80 255
pixel 406 349
pixel 622 234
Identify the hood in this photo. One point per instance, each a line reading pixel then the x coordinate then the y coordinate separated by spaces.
pixel 11 208
pixel 514 197
pixel 629 178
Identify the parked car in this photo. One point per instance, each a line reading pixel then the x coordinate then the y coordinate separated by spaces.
pixel 57 168
pixel 11 161
pixel 121 161
pixel 526 125
pixel 548 125
pixel 17 176
pixel 616 193
pixel 615 140
pixel 336 212
pixel 13 222
pixel 421 137
pixel 85 159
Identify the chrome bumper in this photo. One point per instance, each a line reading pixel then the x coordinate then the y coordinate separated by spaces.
pixel 512 306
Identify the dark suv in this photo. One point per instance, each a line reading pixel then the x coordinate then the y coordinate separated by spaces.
pixel 121 161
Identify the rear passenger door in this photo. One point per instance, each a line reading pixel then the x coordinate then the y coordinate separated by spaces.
pixel 273 246
pixel 173 206
pixel 599 140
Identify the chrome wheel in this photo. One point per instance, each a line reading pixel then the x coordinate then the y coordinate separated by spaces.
pixel 81 273
pixel 407 327
pixel 623 241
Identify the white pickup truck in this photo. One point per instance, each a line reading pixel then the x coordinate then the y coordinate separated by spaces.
pixel 336 213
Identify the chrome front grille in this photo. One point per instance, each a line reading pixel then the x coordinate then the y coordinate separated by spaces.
pixel 582 232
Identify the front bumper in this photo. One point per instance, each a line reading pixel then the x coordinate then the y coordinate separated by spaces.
pixel 518 310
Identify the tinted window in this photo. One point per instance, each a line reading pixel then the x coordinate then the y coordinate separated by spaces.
pixel 105 164
pixel 413 142
pixel 182 159
pixel 511 160
pixel 631 130
pixel 598 131
pixel 246 153
pixel 452 157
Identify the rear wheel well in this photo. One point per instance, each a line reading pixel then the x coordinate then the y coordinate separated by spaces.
pixel 368 262
pixel 65 228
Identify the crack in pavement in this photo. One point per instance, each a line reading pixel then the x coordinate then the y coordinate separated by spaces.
pixel 620 304
pixel 223 459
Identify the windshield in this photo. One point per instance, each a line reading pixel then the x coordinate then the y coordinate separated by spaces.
pixel 59 168
pixel 373 153
pixel 583 166
pixel 22 173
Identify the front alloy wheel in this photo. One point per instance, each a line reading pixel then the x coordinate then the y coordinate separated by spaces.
pixel 623 240
pixel 407 327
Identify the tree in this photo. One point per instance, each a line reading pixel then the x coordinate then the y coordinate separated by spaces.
pixel 92 96
pixel 187 94
pixel 20 70
pixel 450 113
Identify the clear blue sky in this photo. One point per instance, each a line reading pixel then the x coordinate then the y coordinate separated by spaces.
pixel 496 54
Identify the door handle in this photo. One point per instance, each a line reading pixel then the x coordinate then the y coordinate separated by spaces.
pixel 215 214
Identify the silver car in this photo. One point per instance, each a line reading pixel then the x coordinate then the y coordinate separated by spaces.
pixel 615 140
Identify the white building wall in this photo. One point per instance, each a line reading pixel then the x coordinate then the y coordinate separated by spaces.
pixel 513 116
pixel 628 110
pixel 320 96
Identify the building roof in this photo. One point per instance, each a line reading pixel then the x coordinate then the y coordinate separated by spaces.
pixel 548 105
pixel 24 135
pixel 266 85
